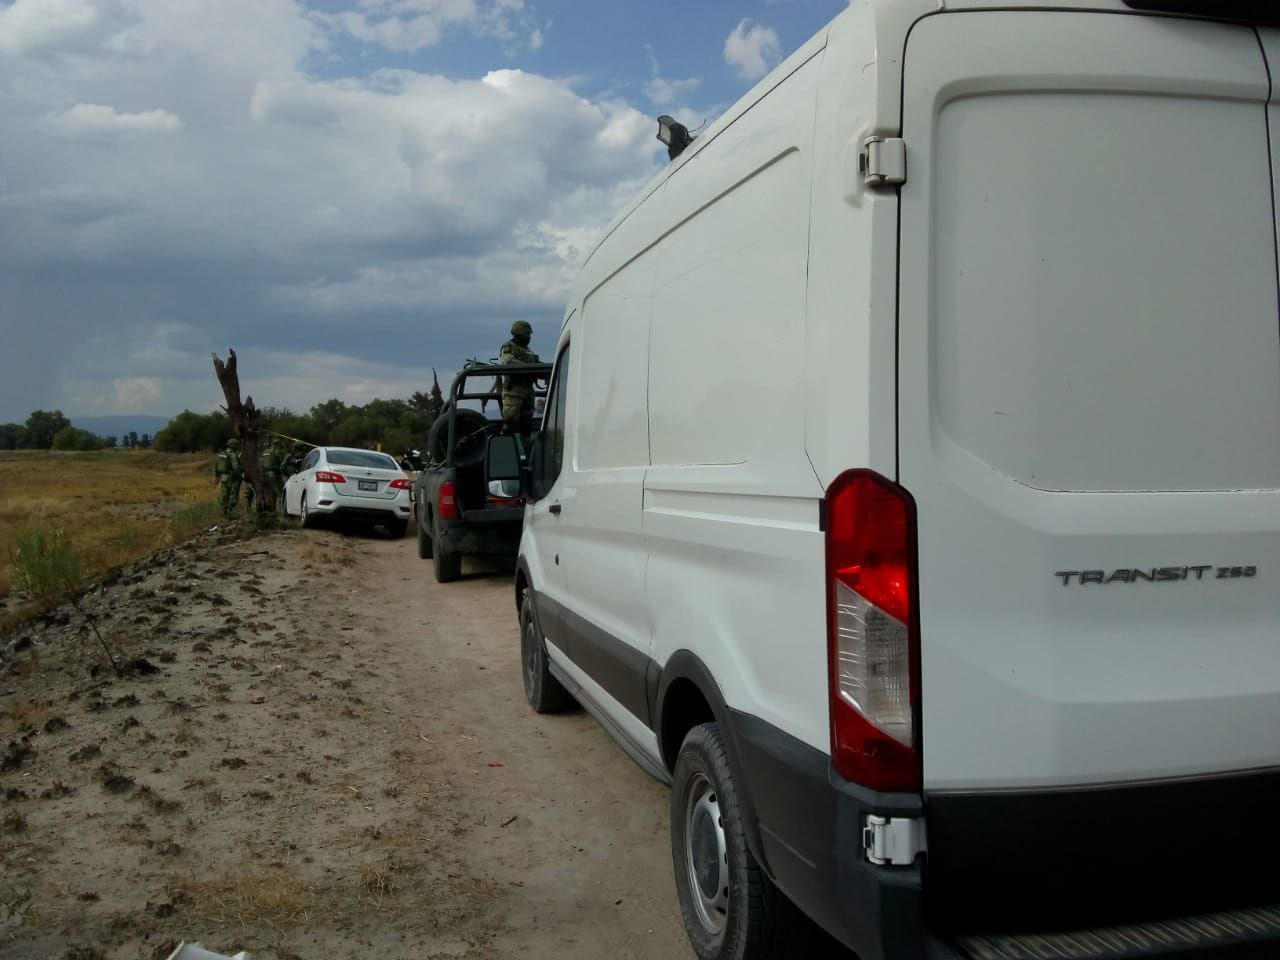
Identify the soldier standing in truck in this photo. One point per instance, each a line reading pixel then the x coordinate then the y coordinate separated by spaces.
pixel 517 389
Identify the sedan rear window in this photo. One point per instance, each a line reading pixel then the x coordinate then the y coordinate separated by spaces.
pixel 361 458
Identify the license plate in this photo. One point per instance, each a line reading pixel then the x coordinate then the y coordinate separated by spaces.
pixel 366 484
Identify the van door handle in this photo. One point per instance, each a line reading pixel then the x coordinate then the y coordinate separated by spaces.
pixel 554 508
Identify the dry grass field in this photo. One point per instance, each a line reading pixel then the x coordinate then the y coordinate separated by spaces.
pixel 113 506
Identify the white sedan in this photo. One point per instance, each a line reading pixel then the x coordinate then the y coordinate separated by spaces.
pixel 361 484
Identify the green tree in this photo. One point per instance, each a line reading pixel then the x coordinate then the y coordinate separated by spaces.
pixel 398 441
pixel 190 432
pixel 111 442
pixel 41 427
pixel 14 436
pixel 328 415
pixel 73 438
pixel 353 430
pixel 297 426
pixel 290 425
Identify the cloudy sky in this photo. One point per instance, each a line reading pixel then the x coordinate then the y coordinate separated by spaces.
pixel 349 192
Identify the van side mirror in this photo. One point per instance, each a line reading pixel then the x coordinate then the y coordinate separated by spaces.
pixel 502 459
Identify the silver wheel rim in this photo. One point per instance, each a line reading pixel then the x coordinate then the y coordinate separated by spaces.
pixel 706 856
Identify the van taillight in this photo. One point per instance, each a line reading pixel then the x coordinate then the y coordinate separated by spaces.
pixel 872 634
pixel 448 501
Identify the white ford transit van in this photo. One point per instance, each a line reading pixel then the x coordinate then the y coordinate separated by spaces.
pixel 908 494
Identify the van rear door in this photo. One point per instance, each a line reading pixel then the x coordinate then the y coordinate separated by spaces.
pixel 1089 421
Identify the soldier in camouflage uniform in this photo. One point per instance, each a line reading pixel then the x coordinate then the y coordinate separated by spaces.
pixel 229 469
pixel 293 463
pixel 517 389
pixel 273 468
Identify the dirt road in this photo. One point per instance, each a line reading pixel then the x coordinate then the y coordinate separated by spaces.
pixel 317 753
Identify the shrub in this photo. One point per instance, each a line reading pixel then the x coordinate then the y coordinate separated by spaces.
pixel 126 536
pixel 45 562
pixel 73 438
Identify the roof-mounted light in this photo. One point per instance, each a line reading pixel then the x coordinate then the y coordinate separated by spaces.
pixel 674 134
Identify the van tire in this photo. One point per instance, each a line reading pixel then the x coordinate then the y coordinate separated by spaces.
pixel 749 909
pixel 543 691
pixel 424 541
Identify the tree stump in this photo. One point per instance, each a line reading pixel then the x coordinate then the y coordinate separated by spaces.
pixel 244 421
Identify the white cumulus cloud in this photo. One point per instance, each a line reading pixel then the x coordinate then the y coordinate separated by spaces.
pixel 289 212
pixel 37 27
pixel 752 49
pixel 409 26
pixel 88 120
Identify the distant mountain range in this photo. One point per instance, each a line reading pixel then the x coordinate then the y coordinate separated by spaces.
pixel 119 426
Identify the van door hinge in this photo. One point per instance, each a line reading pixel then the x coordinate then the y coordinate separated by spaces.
pixel 883 162
pixel 894 841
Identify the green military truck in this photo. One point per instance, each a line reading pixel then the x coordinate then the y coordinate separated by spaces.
pixel 458 511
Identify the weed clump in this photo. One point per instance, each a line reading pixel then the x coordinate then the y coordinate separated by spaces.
pixel 276 899
pixel 45 562
pixel 126 537
pixel 195 515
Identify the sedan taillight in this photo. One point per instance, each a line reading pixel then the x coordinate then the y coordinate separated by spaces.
pixel 400 484
pixel 327 476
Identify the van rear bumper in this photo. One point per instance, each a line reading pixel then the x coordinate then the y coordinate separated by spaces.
pixel 1052 860
pixel 810 837
pixel 1183 870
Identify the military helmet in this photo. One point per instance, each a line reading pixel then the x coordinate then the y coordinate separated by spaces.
pixel 522 328
pixel 233 444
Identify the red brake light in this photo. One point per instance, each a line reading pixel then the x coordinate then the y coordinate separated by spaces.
pixel 326 476
pixel 400 484
pixel 448 501
pixel 872 633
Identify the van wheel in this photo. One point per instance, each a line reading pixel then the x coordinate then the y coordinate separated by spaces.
pixel 543 691
pixel 730 907
pixel 424 542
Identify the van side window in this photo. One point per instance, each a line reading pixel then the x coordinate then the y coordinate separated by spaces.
pixel 553 425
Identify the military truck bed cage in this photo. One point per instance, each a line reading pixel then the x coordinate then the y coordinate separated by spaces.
pixel 486 371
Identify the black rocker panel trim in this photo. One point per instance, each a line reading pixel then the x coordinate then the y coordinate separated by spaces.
pixel 550 617
pixel 617 666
